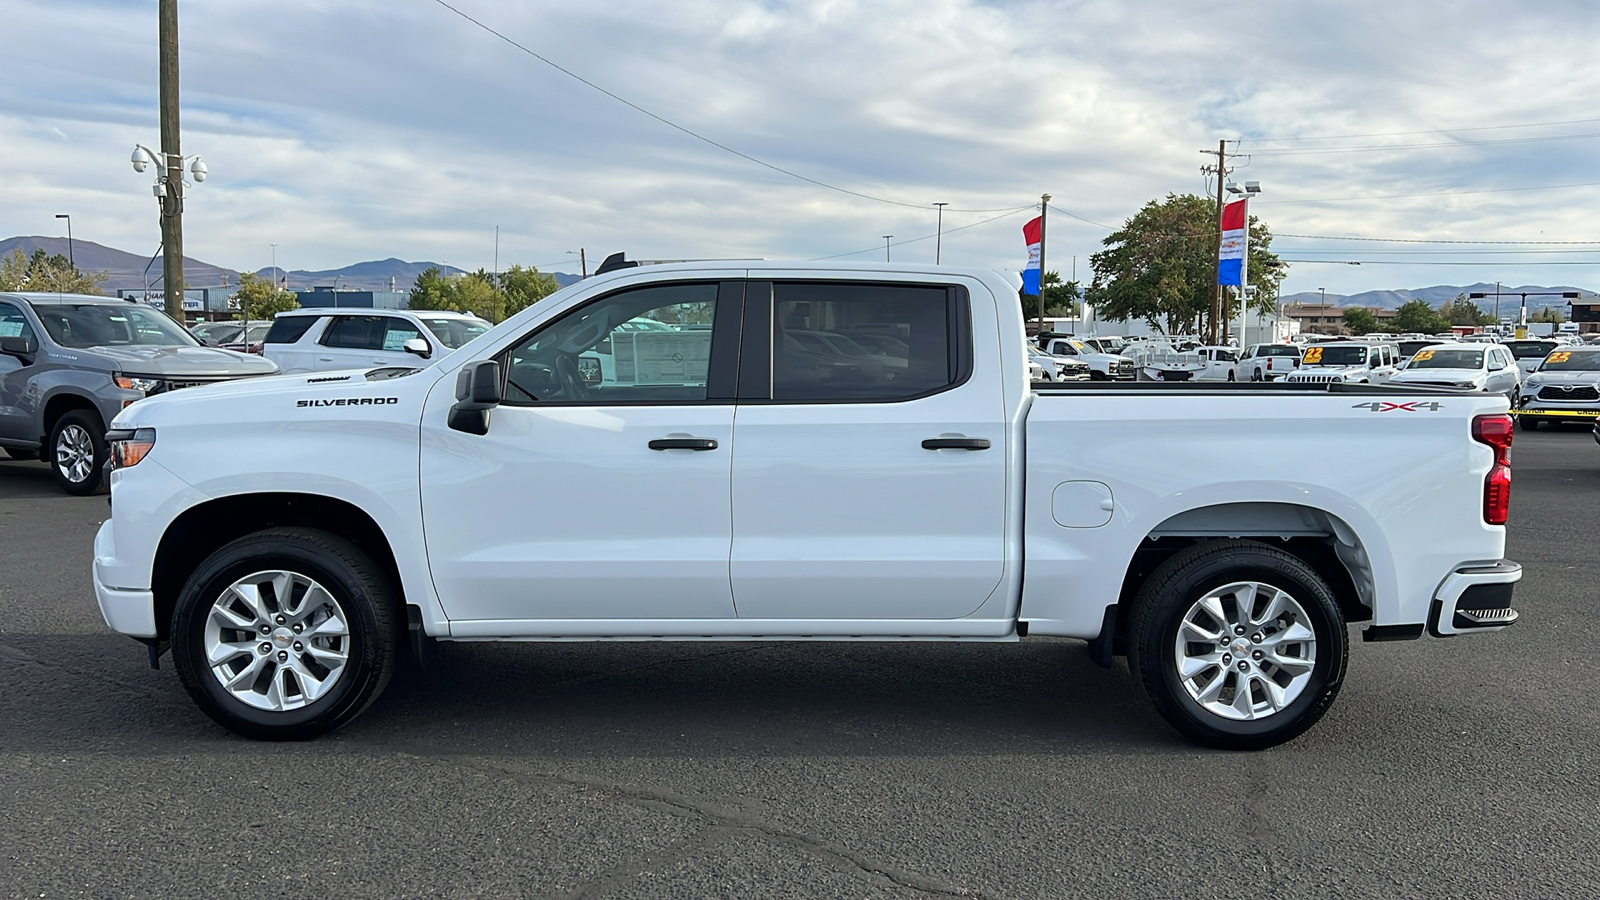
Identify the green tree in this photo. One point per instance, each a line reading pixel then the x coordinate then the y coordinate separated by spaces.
pixel 431 291
pixel 260 298
pixel 1549 314
pixel 1061 299
pixel 1160 266
pixel 1418 316
pixel 1462 311
pixel 42 272
pixel 1360 320
pixel 525 286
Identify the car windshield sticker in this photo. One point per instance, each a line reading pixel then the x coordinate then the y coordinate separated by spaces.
pixel 1422 355
pixel 1560 356
pixel 1313 355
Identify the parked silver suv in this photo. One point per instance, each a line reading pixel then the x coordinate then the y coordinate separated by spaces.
pixel 70 362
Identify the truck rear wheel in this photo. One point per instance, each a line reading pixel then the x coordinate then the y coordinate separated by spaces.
pixel 285 634
pixel 1239 645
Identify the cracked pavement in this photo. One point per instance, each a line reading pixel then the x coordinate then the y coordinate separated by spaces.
pixel 1460 768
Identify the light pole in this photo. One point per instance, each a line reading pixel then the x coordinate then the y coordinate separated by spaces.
pixel 275 284
pixel 168 190
pixel 886 247
pixel 70 258
pixel 938 233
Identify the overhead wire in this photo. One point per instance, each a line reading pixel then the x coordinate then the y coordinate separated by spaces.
pixel 1346 137
pixel 1380 148
pixel 696 135
pixel 926 237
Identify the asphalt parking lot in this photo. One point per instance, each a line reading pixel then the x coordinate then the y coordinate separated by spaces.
pixel 1448 768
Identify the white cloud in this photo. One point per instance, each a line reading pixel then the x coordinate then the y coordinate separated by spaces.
pixel 364 129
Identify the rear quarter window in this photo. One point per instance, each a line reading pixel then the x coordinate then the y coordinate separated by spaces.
pixel 288 329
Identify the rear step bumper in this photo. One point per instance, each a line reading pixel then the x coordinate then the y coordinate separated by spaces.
pixel 1475 598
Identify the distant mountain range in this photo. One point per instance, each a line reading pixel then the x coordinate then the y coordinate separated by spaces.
pixel 127 270
pixel 1510 297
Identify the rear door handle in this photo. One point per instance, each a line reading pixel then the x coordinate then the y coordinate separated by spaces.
pixel 683 444
pixel 955 443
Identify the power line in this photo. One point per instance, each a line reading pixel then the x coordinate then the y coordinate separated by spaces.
pixel 1333 237
pixel 928 237
pixel 1344 137
pixel 1383 147
pixel 1546 187
pixel 1074 215
pixel 1424 262
pixel 697 136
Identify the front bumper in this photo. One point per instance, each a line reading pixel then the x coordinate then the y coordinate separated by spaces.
pixel 126 610
pixel 1475 598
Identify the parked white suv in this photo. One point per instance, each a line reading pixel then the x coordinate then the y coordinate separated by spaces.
pixel 321 340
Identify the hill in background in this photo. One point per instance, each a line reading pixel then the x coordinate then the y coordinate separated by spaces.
pixel 1443 293
pixel 127 270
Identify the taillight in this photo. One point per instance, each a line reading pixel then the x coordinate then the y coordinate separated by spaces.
pixel 1495 431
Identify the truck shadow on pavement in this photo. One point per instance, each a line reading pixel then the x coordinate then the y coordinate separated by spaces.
pixel 83 692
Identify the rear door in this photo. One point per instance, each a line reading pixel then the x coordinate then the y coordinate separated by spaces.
pixel 16 401
pixel 864 488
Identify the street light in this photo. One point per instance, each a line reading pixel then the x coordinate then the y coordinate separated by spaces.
pixel 1250 189
pixel 886 247
pixel 168 190
pixel 938 233
pixel 70 258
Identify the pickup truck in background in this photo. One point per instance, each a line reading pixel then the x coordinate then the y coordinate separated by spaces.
pixel 291 539
pixel 1267 362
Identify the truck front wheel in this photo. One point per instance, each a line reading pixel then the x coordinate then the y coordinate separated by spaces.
pixel 1239 645
pixel 285 634
pixel 78 452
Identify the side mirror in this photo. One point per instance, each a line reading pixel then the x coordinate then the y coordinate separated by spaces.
pixel 20 347
pixel 419 347
pixel 477 393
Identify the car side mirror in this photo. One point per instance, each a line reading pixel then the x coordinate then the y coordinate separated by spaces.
pixel 20 347
pixel 419 347
pixel 477 393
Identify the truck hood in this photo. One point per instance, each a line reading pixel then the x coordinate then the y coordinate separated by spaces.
pixel 1559 378
pixel 1437 376
pixel 278 397
pixel 190 362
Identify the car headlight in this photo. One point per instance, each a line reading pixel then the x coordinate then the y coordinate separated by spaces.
pixel 129 445
pixel 136 383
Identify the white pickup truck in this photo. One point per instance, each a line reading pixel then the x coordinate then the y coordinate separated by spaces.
pixel 294 539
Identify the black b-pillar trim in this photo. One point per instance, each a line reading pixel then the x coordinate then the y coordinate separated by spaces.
pixel 722 379
pixel 755 349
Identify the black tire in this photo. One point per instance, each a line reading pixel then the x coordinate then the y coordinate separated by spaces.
pixel 1230 377
pixel 1185 578
pixel 70 430
pixel 1527 423
pixel 355 583
pixel 1255 375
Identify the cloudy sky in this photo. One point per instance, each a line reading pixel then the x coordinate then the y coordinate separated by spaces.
pixel 347 130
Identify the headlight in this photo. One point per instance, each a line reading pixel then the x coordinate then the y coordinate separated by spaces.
pixel 137 383
pixel 129 445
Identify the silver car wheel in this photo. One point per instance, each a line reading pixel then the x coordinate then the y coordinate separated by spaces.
pixel 277 640
pixel 1245 651
pixel 75 454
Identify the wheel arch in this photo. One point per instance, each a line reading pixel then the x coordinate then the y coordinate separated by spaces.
pixel 58 405
pixel 201 529
pixel 1322 540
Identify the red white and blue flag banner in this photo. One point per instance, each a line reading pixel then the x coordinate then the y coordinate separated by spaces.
pixel 1230 264
pixel 1030 275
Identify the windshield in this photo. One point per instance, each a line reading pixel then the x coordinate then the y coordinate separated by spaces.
pixel 1447 359
pixel 1109 345
pixel 1334 355
pixel 1530 349
pixel 454 332
pixel 112 324
pixel 1571 361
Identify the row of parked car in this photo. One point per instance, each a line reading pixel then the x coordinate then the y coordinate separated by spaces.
pixel 70 363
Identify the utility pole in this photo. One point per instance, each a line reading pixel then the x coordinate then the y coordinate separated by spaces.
pixel 172 162
pixel 1221 169
pixel 938 232
pixel 1044 210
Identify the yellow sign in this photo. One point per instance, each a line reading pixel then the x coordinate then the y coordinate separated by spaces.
pixel 1559 356
pixel 1313 355
pixel 1422 355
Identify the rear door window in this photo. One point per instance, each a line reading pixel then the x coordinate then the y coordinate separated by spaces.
pixel 853 342
pixel 355 332
pixel 288 329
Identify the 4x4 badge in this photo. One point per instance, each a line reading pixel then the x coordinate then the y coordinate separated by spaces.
pixel 1410 406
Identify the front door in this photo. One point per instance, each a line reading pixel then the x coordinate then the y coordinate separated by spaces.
pixel 16 404
pixel 855 495
pixel 593 499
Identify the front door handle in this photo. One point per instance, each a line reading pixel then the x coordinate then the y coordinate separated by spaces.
pixel 955 443
pixel 692 443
